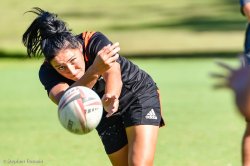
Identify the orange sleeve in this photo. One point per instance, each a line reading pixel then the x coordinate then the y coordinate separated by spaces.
pixel 86 37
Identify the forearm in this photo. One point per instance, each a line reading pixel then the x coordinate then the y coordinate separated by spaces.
pixel 89 78
pixel 113 81
pixel 113 87
pixel 104 60
pixel 246 147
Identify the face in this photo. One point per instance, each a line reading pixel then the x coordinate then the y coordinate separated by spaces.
pixel 69 63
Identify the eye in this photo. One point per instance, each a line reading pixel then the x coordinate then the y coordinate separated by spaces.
pixel 73 60
pixel 61 68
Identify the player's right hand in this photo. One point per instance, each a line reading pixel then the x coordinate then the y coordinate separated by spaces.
pixel 106 57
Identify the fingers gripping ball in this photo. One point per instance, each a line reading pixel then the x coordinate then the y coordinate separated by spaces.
pixel 80 110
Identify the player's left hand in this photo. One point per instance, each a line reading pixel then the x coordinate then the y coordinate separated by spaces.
pixel 110 104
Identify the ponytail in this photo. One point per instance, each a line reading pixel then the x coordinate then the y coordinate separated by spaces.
pixel 47 35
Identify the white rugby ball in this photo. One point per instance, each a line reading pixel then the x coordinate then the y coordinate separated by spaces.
pixel 80 110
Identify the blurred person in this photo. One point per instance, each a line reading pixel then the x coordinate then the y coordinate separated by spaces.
pixel 239 74
pixel 238 80
pixel 132 116
pixel 245 10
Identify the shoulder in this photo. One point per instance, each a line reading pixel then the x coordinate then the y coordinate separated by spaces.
pixel 45 69
pixel 47 74
pixel 90 35
pixel 94 42
pixel 99 37
pixel 93 35
pixel 49 77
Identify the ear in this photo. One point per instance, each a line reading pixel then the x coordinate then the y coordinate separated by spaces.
pixel 80 47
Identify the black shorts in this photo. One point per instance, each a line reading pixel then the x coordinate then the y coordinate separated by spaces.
pixel 144 110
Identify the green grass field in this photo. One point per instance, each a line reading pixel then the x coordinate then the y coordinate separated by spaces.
pixel 203 128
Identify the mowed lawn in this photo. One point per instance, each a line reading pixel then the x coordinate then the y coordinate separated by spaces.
pixel 142 27
pixel 203 128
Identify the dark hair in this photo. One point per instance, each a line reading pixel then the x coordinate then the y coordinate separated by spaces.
pixel 47 35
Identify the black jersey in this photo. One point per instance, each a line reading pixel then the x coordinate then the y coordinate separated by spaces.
pixel 135 81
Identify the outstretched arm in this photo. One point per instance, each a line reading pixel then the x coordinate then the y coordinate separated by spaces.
pixel 113 88
pixel 104 60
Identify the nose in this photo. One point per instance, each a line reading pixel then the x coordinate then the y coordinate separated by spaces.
pixel 71 68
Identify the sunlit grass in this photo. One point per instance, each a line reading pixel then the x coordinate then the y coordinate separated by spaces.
pixel 203 127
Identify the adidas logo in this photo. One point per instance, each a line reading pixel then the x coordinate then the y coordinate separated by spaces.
pixel 151 115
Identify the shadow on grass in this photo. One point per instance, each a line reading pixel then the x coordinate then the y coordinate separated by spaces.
pixel 197 23
pixel 14 55
pixel 215 54
pixel 227 17
pixel 188 55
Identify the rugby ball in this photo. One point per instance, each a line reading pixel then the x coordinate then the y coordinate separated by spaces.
pixel 80 110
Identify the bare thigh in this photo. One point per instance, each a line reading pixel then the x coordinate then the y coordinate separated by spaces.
pixel 142 141
pixel 120 157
